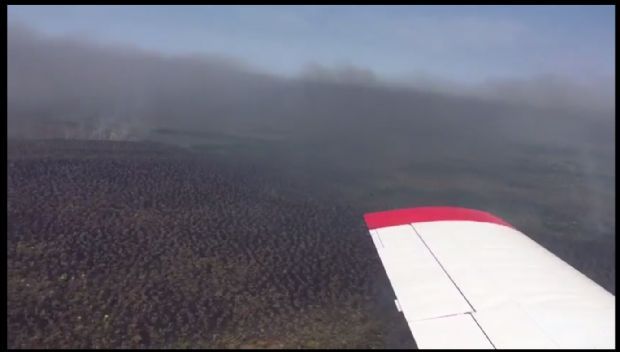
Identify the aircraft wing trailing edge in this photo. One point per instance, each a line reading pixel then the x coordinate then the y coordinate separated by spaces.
pixel 464 278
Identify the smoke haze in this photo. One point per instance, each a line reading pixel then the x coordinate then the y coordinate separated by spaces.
pixel 106 91
pixel 342 125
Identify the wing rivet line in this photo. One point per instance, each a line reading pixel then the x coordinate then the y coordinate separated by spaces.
pixel 481 329
pixel 442 268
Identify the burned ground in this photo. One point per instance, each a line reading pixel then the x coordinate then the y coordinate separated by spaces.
pixel 118 244
pixel 241 242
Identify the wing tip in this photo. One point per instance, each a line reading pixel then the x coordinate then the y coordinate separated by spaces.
pixel 404 216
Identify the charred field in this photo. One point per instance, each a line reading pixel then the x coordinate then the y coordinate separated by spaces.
pixel 126 244
pixel 243 242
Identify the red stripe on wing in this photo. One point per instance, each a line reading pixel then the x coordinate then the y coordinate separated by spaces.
pixel 423 214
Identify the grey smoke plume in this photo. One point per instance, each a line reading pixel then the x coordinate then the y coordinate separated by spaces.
pixel 98 91
pixel 73 88
pixel 350 74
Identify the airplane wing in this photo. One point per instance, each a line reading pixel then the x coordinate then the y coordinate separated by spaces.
pixel 467 279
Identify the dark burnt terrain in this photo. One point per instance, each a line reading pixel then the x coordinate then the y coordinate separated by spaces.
pixel 121 244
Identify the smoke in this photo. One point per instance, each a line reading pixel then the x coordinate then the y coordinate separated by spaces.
pixel 67 87
pixel 548 91
pixel 347 74
pixel 73 88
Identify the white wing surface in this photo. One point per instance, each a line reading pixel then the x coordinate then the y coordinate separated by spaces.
pixel 466 279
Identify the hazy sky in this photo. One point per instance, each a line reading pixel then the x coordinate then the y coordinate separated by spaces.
pixel 466 44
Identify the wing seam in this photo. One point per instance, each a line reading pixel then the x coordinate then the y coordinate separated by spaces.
pixel 442 268
pixel 481 329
